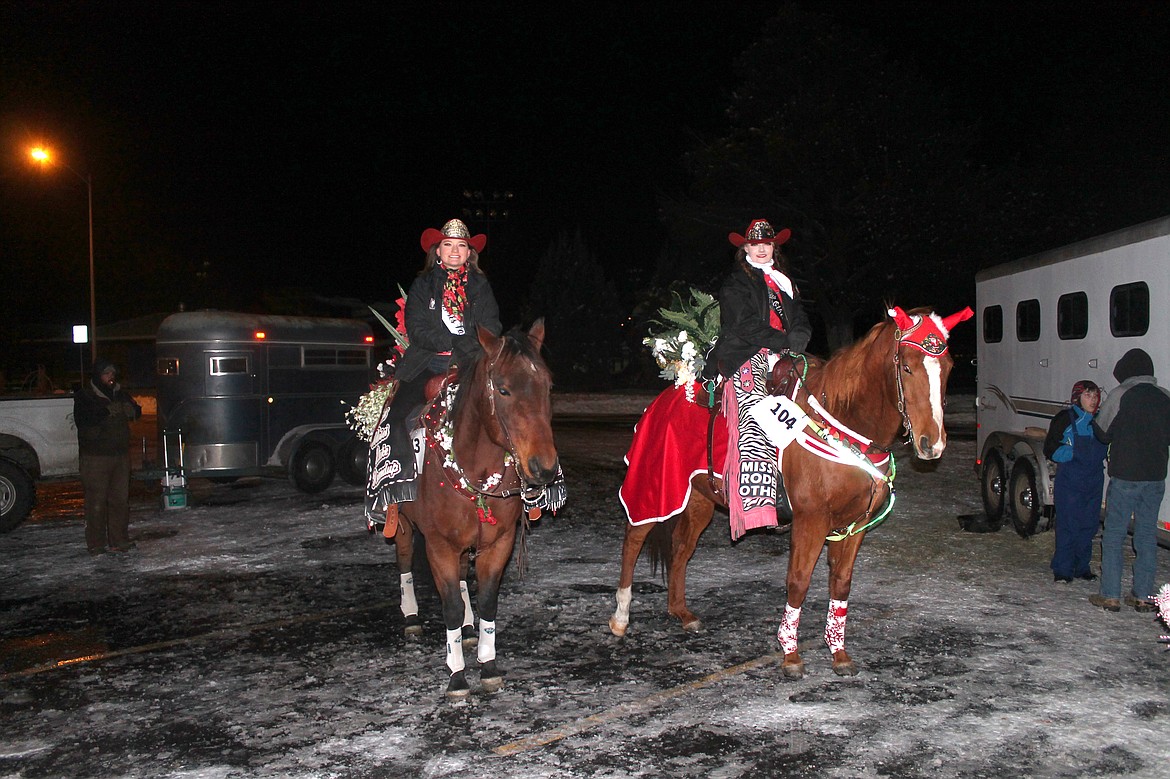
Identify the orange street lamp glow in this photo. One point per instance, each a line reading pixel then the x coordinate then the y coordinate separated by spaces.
pixel 40 154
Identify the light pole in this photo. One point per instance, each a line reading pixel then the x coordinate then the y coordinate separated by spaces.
pixel 44 157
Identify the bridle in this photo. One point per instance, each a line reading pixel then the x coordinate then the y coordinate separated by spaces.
pixel 456 476
pixel 898 368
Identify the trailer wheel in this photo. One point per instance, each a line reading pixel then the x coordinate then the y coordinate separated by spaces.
pixel 312 467
pixel 1025 499
pixel 993 481
pixel 17 495
pixel 352 460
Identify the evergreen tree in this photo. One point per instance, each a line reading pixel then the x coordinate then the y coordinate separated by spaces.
pixel 582 315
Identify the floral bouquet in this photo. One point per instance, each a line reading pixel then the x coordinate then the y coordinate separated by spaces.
pixel 683 336
pixel 363 418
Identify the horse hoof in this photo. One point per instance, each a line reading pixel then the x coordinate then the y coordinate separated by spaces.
pixel 617 628
pixel 694 626
pixel 413 626
pixel 458 687
pixel 470 637
pixel 490 677
pixel 848 668
pixel 793 670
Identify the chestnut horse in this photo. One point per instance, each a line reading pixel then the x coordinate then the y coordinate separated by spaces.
pixel 893 378
pixel 489 456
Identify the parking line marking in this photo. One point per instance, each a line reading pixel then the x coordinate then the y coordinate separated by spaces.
pixel 634 707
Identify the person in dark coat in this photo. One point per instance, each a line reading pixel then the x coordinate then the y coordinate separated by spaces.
pixel 102 412
pixel 760 319
pixel 1135 421
pixel 1080 482
pixel 447 301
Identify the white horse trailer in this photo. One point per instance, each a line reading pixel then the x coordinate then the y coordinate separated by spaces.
pixel 1045 322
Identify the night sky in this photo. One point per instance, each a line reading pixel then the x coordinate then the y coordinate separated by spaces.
pixel 240 148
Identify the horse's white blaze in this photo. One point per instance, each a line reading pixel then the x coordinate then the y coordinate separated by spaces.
pixel 934 373
pixel 621 615
pixel 487 640
pixel 455 650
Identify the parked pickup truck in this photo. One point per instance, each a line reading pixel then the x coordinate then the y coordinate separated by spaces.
pixel 38 440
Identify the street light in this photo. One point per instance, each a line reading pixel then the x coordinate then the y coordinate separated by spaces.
pixel 43 156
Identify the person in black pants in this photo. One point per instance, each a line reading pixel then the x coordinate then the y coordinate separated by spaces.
pixel 102 412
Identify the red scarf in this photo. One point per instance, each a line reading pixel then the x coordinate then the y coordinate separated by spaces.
pixel 774 303
pixel 455 293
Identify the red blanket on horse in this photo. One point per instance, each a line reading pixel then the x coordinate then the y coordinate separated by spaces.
pixel 669 447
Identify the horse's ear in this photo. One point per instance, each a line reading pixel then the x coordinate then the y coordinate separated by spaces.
pixel 901 318
pixel 954 319
pixel 536 334
pixel 487 339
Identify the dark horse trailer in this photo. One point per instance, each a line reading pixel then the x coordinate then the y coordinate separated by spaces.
pixel 254 393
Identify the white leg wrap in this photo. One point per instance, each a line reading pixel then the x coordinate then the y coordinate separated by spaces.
pixel 487 640
pixel 455 650
pixel 621 615
pixel 409 604
pixel 789 627
pixel 835 624
pixel 468 615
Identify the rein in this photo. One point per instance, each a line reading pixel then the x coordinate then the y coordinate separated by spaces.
pixel 898 381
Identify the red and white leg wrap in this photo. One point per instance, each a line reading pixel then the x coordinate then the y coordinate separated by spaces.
pixel 835 624
pixel 789 627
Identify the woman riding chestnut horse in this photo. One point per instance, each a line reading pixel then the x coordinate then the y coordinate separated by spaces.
pixel 830 436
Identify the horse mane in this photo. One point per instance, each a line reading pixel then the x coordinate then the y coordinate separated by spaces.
pixel 846 375
pixel 516 343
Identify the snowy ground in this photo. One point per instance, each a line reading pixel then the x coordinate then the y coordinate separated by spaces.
pixel 257 634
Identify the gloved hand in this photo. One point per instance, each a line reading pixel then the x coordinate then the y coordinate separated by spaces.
pixel 1063 454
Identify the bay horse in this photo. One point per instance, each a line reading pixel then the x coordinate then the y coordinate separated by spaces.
pixel 893 378
pixel 489 456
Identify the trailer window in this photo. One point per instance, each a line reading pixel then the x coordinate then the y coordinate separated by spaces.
pixel 167 366
pixel 1129 309
pixel 992 324
pixel 1072 316
pixel 324 357
pixel 1028 320
pixel 225 366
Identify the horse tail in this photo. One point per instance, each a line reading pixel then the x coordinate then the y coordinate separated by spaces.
pixel 661 547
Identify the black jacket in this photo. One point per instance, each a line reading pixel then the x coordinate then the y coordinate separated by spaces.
pixel 1135 421
pixel 428 334
pixel 743 322
pixel 103 423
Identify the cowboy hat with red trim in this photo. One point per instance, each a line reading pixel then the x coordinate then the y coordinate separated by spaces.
pixel 453 229
pixel 759 231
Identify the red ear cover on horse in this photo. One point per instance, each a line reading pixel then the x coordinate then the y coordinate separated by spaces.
pixel 949 322
pixel 901 318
